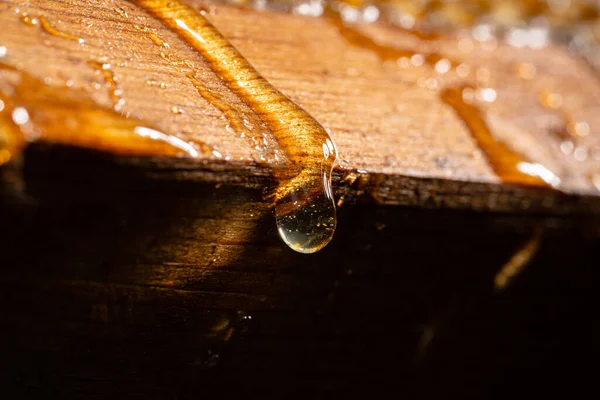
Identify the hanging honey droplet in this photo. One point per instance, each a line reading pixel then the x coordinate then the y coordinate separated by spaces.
pixel 310 223
pixel 304 205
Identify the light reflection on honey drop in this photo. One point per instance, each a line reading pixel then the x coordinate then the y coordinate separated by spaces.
pixel 304 206
pixel 305 209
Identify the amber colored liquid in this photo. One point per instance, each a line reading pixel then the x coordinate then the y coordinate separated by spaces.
pixel 244 122
pixel 507 164
pixel 48 28
pixel 32 110
pixel 109 77
pixel 55 32
pixel 304 204
pixel 383 52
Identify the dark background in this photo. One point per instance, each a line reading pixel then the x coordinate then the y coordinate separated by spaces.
pixel 101 300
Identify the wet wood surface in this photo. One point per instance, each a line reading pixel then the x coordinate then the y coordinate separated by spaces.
pixel 129 277
pixel 387 119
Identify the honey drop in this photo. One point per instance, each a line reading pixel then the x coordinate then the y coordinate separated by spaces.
pixel 304 205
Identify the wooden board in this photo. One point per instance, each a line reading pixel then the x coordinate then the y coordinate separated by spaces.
pixel 165 277
pixel 387 118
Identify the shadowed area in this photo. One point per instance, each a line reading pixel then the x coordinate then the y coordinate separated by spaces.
pixel 120 284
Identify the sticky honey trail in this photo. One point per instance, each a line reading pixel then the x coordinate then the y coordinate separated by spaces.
pixel 510 167
pixel 384 52
pixel 30 111
pixel 49 28
pixel 304 205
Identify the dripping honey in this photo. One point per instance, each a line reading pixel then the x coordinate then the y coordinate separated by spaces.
pixel 304 204
pixel 299 176
pixel 240 118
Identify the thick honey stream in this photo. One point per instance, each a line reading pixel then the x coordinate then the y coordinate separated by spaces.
pixel 31 110
pixel 240 118
pixel 508 165
pixel 304 204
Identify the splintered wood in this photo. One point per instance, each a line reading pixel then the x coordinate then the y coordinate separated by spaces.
pixel 420 120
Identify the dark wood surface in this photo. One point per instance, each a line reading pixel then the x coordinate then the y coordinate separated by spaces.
pixel 120 285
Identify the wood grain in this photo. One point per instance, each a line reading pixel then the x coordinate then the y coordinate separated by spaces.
pixel 409 146
pixel 162 277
